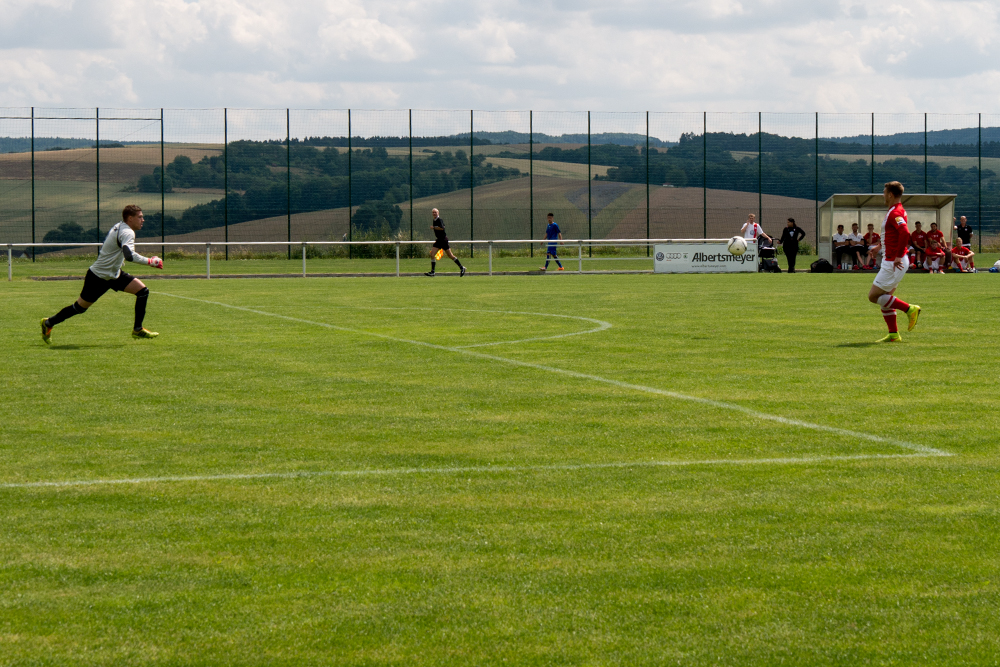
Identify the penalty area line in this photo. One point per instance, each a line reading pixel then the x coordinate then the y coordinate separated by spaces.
pixel 457 470
pixel 750 412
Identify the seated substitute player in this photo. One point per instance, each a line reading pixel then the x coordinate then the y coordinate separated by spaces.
pixel 961 258
pixel 896 238
pixel 918 241
pixel 857 244
pixel 841 246
pixel 552 234
pixel 935 253
pixel 874 244
pixel 106 274
pixel 441 244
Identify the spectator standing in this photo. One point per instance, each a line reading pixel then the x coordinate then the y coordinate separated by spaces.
pixel 751 230
pixel 790 237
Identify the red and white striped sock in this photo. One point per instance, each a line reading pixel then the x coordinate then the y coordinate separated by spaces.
pixel 898 304
pixel 890 319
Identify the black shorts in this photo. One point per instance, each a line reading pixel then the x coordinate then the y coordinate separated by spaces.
pixel 442 244
pixel 94 287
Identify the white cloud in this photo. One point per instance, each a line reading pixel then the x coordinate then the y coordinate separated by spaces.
pixel 782 55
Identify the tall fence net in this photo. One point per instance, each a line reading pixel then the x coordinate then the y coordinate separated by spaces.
pixel 288 176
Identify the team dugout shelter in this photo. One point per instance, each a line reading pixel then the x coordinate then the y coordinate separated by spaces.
pixel 865 209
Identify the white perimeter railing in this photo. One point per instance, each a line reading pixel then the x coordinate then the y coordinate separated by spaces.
pixel 208 245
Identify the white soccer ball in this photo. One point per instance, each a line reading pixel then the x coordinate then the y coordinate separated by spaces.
pixel 737 245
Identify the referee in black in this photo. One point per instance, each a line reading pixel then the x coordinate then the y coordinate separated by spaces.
pixel 790 237
pixel 441 244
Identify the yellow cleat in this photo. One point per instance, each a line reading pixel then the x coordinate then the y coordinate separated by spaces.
pixel 913 313
pixel 144 333
pixel 46 331
pixel 891 338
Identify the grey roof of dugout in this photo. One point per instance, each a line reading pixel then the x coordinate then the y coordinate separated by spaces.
pixel 875 201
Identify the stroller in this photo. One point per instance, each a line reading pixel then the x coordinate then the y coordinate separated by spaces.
pixel 767 256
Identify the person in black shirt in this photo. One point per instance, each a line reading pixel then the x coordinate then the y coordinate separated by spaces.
pixel 790 237
pixel 441 244
pixel 964 232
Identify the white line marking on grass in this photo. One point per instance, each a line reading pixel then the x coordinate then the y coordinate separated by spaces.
pixel 601 324
pixel 921 449
pixel 386 472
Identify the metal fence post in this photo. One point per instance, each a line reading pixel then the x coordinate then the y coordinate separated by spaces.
pixel 303 259
pixel 10 263
pixel 208 260
pixel 397 259
pixel 704 174
pixel 925 153
pixel 411 174
pixel 873 151
pixel 225 174
pixel 580 255
pixel 350 193
pixel 647 183
pixel 590 204
pixel 760 168
pixel 288 178
pixel 97 166
pixel 489 251
pixel 163 189
pixel 531 181
pixel 33 182
pixel 472 186
pixel 979 202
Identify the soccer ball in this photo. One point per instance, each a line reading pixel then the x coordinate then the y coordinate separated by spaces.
pixel 737 246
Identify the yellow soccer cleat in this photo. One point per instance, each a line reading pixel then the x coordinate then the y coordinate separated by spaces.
pixel 891 338
pixel 144 333
pixel 913 313
pixel 46 331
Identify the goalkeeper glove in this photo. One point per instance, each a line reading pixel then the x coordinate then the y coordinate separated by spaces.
pixel 155 262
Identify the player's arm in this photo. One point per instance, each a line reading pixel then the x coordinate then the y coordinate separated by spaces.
pixel 560 238
pixel 902 241
pixel 128 250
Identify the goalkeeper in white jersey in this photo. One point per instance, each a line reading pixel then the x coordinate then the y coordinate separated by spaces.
pixel 106 274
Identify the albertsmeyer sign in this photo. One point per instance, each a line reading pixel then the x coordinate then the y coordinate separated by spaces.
pixel 711 257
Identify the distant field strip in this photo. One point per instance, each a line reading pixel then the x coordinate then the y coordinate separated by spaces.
pixel 922 450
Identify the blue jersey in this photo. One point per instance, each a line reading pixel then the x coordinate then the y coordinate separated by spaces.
pixel 552 231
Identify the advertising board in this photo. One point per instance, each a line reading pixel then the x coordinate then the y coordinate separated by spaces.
pixel 710 257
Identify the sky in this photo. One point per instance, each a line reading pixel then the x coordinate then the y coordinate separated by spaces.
pixel 833 56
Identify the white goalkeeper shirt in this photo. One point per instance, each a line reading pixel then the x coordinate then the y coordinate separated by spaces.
pixel 118 247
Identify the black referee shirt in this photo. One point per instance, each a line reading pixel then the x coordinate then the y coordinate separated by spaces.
pixel 964 233
pixel 440 234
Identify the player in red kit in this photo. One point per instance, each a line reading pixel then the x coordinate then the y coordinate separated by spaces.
pixel 961 259
pixel 896 239
pixel 935 252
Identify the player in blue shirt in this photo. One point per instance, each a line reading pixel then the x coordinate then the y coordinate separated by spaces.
pixel 552 233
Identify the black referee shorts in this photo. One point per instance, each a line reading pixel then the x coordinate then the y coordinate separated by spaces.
pixel 94 286
pixel 442 244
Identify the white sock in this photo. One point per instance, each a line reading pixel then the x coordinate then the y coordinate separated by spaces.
pixel 884 301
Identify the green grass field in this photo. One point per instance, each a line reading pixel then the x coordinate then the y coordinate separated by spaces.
pixel 709 470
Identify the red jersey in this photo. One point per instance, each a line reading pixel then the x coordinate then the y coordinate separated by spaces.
pixel 961 251
pixel 935 239
pixel 872 239
pixel 895 232
pixel 919 239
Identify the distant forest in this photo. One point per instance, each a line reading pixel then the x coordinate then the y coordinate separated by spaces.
pixel 379 182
